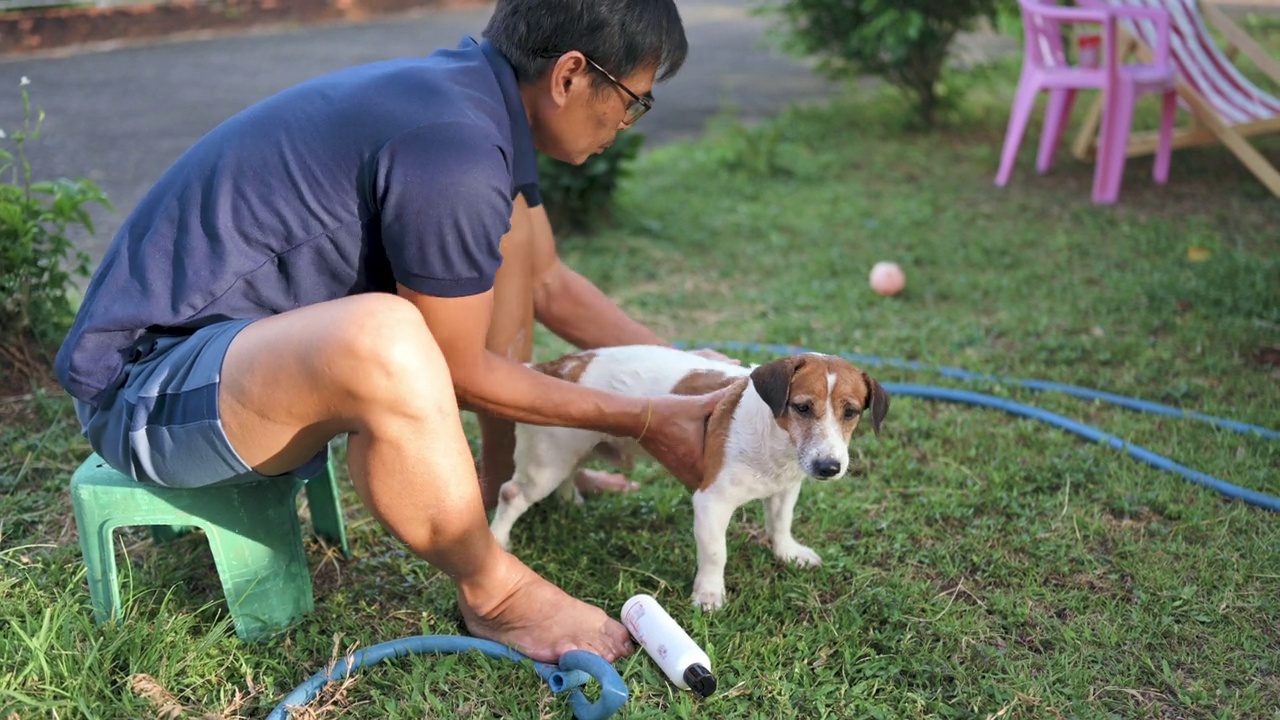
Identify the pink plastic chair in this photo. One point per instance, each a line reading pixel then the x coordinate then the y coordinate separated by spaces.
pixel 1045 68
pixel 1225 106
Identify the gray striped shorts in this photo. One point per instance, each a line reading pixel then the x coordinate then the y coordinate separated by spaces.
pixel 162 425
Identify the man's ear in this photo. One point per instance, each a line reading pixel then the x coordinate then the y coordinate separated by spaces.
pixel 773 382
pixel 569 68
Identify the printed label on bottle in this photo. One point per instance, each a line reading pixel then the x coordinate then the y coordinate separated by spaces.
pixel 633 621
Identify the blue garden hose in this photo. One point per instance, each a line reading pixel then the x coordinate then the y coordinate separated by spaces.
pixel 576 668
pixel 1089 433
pixel 1072 390
pixel 1262 500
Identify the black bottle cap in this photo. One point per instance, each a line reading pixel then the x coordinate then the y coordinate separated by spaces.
pixel 700 680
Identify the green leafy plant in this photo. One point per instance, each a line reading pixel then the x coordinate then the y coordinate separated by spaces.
pixel 752 152
pixel 906 42
pixel 39 264
pixel 579 198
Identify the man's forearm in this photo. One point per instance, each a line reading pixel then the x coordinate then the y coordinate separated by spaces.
pixel 577 311
pixel 510 390
pixel 485 381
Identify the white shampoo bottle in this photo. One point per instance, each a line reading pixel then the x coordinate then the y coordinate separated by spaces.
pixel 684 663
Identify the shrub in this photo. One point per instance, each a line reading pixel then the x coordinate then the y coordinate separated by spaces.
pixel 578 198
pixel 906 42
pixel 39 264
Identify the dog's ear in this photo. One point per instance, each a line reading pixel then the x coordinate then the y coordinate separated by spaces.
pixel 773 382
pixel 878 400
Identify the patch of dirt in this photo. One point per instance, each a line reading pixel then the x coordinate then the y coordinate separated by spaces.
pixel 1267 355
pixel 24 369
pixel 47 29
pixel 1139 520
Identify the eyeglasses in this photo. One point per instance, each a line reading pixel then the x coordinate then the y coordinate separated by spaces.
pixel 638 105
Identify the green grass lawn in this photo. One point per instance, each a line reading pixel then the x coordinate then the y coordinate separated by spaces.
pixel 977 565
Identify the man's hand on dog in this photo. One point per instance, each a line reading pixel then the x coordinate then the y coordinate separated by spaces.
pixel 676 435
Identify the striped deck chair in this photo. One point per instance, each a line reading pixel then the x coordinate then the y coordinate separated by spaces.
pixel 1225 106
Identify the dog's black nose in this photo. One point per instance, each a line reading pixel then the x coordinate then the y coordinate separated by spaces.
pixel 826 468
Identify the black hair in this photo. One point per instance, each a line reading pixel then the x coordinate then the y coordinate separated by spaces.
pixel 621 36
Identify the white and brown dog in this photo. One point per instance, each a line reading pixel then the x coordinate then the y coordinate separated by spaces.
pixel 782 422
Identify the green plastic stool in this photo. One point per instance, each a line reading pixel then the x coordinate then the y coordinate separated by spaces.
pixel 252 528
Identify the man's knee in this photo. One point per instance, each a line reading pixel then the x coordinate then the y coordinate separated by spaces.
pixel 383 352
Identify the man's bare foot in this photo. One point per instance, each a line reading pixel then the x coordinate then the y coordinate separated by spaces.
pixel 598 482
pixel 512 605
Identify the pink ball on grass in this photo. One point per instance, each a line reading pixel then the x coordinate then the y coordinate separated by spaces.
pixel 887 278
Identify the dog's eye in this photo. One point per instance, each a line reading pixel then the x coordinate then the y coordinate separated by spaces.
pixel 850 413
pixel 802 408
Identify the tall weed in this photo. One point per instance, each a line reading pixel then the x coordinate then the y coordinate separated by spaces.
pixel 39 263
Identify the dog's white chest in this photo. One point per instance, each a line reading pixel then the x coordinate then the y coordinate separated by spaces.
pixel 760 459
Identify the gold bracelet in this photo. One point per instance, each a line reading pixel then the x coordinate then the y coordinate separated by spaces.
pixel 647 418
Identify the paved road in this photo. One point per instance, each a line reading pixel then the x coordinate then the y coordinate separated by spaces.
pixel 121 116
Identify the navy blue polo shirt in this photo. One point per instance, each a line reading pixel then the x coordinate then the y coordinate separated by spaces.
pixel 396 172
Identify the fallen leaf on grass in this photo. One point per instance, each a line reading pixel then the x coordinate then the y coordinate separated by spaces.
pixel 1198 254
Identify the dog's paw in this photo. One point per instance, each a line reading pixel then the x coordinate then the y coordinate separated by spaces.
pixel 708 600
pixel 503 539
pixel 799 555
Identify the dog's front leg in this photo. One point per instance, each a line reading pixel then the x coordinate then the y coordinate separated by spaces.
pixel 711 515
pixel 779 510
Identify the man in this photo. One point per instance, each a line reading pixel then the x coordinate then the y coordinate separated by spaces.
pixel 323 263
